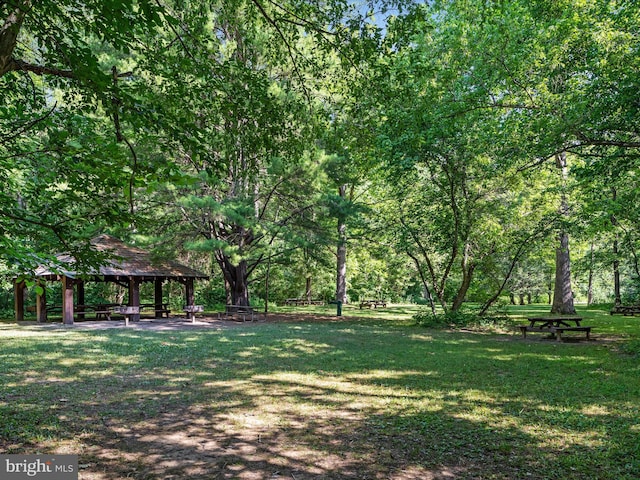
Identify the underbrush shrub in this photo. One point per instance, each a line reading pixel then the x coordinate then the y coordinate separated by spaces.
pixel 457 319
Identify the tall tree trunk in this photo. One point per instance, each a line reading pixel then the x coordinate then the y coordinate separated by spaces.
pixel 425 284
pixel 307 290
pixel 341 276
pixel 240 286
pixel 467 275
pixel 617 297
pixel 227 289
pixel 235 280
pixel 590 281
pixel 562 293
pixel 9 34
pixel 266 286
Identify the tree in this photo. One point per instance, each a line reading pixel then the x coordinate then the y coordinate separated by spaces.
pixel 608 188
pixel 344 179
pixel 249 152
pixel 544 106
pixel 453 185
pixel 249 131
pixel 64 176
pixel 563 293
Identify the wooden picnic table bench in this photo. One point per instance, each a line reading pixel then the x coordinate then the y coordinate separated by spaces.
pixel 554 321
pixel 294 301
pixel 626 310
pixel 233 311
pixel 554 325
pixel 302 301
pixel 161 309
pixel 373 303
pixel 101 310
pixel 54 308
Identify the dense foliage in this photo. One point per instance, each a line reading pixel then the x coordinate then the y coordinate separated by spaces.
pixel 403 150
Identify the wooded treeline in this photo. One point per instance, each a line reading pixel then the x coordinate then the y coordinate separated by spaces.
pixel 444 151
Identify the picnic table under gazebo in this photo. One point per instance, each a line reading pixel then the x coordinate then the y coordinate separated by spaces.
pixel 129 266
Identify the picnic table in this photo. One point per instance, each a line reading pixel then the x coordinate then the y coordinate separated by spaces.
pixel 101 310
pixel 104 311
pixel 54 308
pixel 375 303
pixel 128 311
pixel 237 311
pixel 159 310
pixel 626 310
pixel 555 326
pixel 191 310
pixel 302 301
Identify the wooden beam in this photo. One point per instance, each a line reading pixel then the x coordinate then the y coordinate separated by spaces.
pixel 189 297
pixel 157 300
pixel 41 302
pixel 189 294
pixel 67 300
pixel 134 296
pixel 18 295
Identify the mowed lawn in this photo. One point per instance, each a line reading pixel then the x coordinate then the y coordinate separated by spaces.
pixel 359 398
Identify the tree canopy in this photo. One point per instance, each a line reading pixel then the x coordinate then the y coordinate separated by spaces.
pixel 409 149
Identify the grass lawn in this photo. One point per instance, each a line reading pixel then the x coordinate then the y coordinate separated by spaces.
pixel 359 398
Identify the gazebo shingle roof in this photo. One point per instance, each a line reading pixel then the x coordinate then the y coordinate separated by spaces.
pixel 129 261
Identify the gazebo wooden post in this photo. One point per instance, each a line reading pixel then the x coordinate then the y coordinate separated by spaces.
pixel 189 294
pixel 157 297
pixel 67 300
pixel 41 303
pixel 189 297
pixel 18 295
pixel 134 296
pixel 80 299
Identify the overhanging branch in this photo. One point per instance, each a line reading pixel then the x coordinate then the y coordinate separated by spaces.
pixel 19 131
pixel 22 66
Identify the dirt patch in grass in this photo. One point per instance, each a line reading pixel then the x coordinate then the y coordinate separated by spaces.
pixel 237 429
pixel 201 445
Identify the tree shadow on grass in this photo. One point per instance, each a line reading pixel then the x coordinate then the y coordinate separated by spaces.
pixel 317 401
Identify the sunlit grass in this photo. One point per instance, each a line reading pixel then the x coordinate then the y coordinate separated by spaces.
pixel 369 394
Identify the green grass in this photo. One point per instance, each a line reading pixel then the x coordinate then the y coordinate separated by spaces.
pixel 370 397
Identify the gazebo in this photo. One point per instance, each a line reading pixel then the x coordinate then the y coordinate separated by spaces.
pixel 129 267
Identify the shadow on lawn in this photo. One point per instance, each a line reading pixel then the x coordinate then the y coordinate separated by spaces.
pixel 316 401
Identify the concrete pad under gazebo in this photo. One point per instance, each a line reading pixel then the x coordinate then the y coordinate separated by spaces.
pixel 129 267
